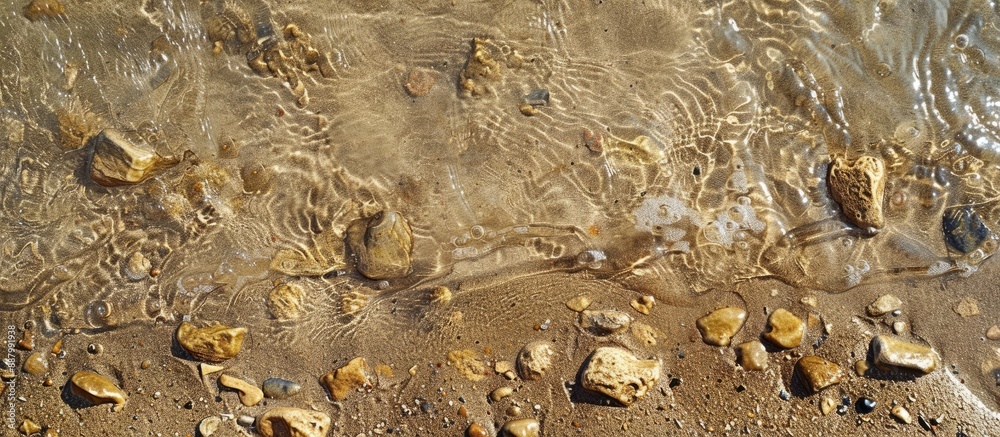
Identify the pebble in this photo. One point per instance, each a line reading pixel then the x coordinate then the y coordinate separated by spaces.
pixel 827 405
pixel 28 427
pixel 293 422
pixel 35 364
pixel 522 428
pixel 285 301
pixel 963 229
pixel 618 374
pixel 95 349
pixel 605 322
pixel 513 411
pixel 352 376
pixel 476 430
pixel 480 71
pixel 891 352
pixel 752 355
pixel 245 420
pixel 858 187
pixel 817 373
pixel 643 304
pixel 901 414
pixel 383 246
pixel 209 425
pixel 578 303
pixel 137 267
pixel 785 330
pixel 215 343
pixel 250 395
pixel 27 341
pixel 534 360
pixel 993 333
pixel 885 304
pixel 898 326
pixel 500 393
pixel 39 9
pixel 97 389
pixel 967 307
pixel 277 388
pixel 420 81
pixel 865 405
pixel 441 294
pixel 207 369
pixel 718 327
pixel 119 161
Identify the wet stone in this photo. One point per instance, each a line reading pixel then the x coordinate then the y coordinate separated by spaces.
pixel 476 430
pixel 522 428
pixel 285 301
pixel 120 161
pixel 277 388
pixel 817 373
pixel 858 187
pixel 352 376
pixel 718 327
pixel 293 422
pixel 250 395
pixel 137 267
pixel 420 81
pixel 97 389
pixel 215 343
pixel 885 304
pixel 901 414
pixel 785 330
pixel 643 304
pixel 383 246
pixel 865 405
pixel 35 364
pixel 963 229
pixel 618 374
pixel 481 70
pixel 827 405
pixel 891 353
pixel 605 322
pixel 534 360
pixel 39 9
pixel 500 393
pixel 752 355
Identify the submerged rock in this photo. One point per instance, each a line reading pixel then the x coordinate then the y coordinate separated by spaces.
pixel 285 301
pixel 963 229
pixel 859 187
pixel 718 327
pixel 120 161
pixel 293 422
pixel 817 373
pixel 890 353
pixel 481 70
pixel 618 374
pixel 534 360
pixel 39 9
pixel 420 81
pixel 97 389
pixel 383 246
pixel 216 343
pixel 785 330
pixel 352 376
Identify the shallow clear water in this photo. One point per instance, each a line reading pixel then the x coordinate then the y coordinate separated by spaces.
pixel 682 150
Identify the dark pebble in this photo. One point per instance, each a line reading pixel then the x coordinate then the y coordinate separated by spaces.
pixel 842 409
pixel 784 395
pixel 675 382
pixel 964 231
pixel 189 405
pixel 865 405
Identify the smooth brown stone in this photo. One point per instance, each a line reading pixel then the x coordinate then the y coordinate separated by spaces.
pixel 97 389
pixel 817 373
pixel 892 353
pixel 785 330
pixel 718 327
pixel 752 355
pixel 215 343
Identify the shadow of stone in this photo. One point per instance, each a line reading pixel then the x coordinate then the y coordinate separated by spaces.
pixel 75 402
